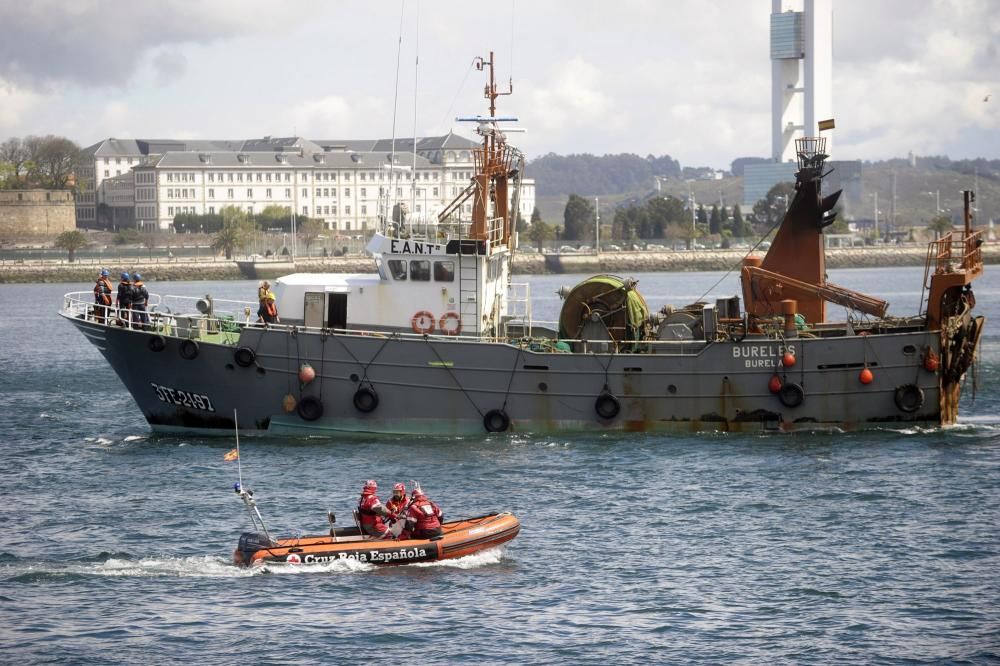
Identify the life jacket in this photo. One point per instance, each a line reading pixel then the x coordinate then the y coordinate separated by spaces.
pixel 367 515
pixel 425 513
pixel 140 295
pixel 124 294
pixel 395 505
pixel 102 291
pixel 270 309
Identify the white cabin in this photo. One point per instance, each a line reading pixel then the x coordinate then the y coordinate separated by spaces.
pixel 452 288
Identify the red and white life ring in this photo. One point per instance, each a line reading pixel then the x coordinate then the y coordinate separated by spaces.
pixel 450 323
pixel 422 322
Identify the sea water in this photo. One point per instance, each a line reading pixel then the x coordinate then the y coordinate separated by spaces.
pixel 880 546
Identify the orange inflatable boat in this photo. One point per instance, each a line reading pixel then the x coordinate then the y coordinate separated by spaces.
pixel 459 538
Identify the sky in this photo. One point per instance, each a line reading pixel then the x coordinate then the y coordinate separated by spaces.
pixel 686 78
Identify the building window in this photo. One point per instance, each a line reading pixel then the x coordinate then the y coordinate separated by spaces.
pixel 239 178
pixel 107 173
pixel 230 191
pixel 170 176
pixel 211 210
pixel 364 209
pixel 347 210
pixel 435 191
pixel 305 193
pixel 288 193
pixel 305 210
pixel 347 191
pixel 268 193
pixel 229 177
pixel 364 192
pixel 362 176
pixel 249 193
pixel 211 177
pixel 259 176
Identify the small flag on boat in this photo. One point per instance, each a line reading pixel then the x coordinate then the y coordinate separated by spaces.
pixel 826 124
pixel 232 455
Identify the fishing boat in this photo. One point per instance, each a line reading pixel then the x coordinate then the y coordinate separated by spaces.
pixel 440 339
pixel 459 538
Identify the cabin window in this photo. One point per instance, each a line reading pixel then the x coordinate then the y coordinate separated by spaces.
pixel 378 263
pixel 420 269
pixel 398 269
pixel 444 271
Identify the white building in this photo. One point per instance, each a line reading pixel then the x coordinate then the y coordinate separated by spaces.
pixel 347 184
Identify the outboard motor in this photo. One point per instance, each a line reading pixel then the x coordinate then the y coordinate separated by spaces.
pixel 250 543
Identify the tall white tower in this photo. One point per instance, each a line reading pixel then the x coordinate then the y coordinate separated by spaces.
pixel 801 72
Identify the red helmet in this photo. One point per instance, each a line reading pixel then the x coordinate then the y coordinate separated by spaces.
pixel 370 487
pixel 418 492
pixel 399 488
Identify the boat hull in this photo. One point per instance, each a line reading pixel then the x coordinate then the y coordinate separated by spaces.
pixel 460 538
pixel 407 384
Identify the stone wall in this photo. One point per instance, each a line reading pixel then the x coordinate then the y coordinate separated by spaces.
pixel 36 213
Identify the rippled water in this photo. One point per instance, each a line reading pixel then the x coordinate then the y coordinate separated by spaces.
pixel 807 548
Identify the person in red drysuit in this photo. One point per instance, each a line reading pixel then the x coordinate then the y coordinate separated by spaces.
pixel 371 512
pixel 423 517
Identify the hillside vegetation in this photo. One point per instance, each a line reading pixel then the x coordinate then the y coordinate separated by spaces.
pixel 627 178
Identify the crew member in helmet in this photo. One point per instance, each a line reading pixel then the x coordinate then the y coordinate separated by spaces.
pixel 102 296
pixel 140 299
pixel 423 517
pixel 124 301
pixel 371 512
pixel 397 502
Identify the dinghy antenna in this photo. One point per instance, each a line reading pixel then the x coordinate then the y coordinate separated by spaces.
pixel 247 495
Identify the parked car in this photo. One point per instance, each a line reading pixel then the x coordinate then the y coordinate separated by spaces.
pixel 655 247
pixel 612 248
pixel 567 248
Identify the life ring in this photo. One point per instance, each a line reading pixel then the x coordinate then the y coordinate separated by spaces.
pixel 365 399
pixel 607 406
pixel 791 395
pixel 310 408
pixel 157 343
pixel 245 357
pixel 450 329
pixel 422 322
pixel 909 398
pixel 496 420
pixel 189 349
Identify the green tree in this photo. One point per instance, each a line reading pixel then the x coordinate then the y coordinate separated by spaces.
pixel 536 215
pixel 539 231
pixel 940 225
pixel 235 233
pixel 578 219
pixel 71 241
pixel 715 221
pixel 50 160
pixel 770 210
pixel 740 227
pixel 702 216
pixel 310 229
pixel 128 237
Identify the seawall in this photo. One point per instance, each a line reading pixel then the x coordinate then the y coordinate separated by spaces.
pixel 526 263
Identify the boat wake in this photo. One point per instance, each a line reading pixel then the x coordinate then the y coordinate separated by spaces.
pixel 21 570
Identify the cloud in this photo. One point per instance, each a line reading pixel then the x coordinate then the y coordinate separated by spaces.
pixel 337 117
pixel 169 65
pixel 15 105
pixel 99 42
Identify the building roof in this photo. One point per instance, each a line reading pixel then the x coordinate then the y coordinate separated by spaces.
pixel 258 160
pixel 113 147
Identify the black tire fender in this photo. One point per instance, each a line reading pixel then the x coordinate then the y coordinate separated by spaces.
pixel 496 420
pixel 310 408
pixel 245 357
pixel 909 398
pixel 791 395
pixel 365 399
pixel 607 406
pixel 189 349
pixel 157 343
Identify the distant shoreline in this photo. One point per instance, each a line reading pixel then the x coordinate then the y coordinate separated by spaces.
pixel 525 263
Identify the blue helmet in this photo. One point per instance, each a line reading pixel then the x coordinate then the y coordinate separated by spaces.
pixel 124 276
pixel 136 276
pixel 105 273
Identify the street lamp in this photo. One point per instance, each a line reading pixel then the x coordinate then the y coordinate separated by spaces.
pixel 937 200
